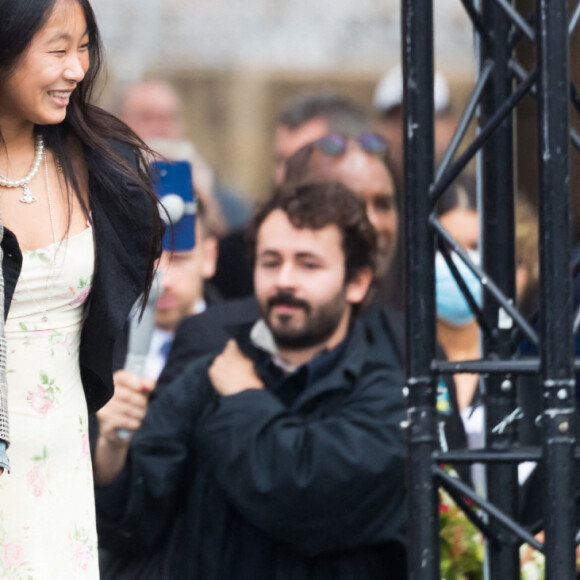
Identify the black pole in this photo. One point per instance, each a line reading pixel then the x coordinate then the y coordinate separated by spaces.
pixel 417 18
pixel 555 290
pixel 500 364
pixel 497 218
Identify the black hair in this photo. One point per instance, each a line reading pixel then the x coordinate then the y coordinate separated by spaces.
pixel 299 168
pixel 462 193
pixel 315 205
pixel 343 116
pixel 88 125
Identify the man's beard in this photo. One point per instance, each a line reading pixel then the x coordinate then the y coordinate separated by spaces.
pixel 318 326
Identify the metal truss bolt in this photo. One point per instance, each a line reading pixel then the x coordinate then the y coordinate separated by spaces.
pixel 404 424
pixel 405 392
pixel 562 394
pixel 563 427
pixel 506 386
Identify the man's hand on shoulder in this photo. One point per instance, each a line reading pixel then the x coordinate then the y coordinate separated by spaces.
pixel 232 372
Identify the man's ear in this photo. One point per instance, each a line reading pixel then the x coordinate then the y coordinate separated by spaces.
pixel 359 285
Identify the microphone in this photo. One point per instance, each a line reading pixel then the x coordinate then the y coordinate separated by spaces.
pixel 172 209
pixel 140 333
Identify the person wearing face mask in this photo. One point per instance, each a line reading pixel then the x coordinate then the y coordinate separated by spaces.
pixel 457 328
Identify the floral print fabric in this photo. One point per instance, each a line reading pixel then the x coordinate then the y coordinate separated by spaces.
pixel 47 515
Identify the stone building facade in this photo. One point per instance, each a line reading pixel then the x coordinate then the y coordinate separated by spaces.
pixel 234 61
pixel 352 35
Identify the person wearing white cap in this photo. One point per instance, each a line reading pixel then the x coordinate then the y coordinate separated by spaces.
pixel 388 104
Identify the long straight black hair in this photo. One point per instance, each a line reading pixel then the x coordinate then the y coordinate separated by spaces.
pixel 86 123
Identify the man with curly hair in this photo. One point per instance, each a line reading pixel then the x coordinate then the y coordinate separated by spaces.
pixel 283 453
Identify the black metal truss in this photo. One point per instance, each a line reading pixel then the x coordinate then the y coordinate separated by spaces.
pixel 502 83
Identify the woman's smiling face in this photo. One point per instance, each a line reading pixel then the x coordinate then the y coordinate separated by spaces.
pixel 38 91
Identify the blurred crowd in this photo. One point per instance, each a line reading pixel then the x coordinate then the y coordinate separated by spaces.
pixel 265 433
pixel 194 386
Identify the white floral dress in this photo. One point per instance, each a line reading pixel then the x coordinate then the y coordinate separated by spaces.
pixel 47 514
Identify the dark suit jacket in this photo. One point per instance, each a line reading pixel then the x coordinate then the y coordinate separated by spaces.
pixel 205 333
pixel 123 249
pixel 234 264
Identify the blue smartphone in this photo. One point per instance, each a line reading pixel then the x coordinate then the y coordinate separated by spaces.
pixel 173 184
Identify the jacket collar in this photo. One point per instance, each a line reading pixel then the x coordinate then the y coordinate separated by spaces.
pixel 329 371
pixel 338 373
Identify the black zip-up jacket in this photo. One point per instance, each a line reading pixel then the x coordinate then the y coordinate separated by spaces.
pixel 301 480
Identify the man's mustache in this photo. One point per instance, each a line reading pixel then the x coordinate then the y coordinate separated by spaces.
pixel 287 299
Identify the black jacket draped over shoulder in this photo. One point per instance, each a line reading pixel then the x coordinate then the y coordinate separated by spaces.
pixel 123 247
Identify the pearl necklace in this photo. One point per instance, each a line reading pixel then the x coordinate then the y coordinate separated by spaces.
pixel 23 183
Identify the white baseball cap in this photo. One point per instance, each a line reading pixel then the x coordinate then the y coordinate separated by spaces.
pixel 389 91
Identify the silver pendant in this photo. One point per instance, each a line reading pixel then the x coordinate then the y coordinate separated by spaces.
pixel 27 197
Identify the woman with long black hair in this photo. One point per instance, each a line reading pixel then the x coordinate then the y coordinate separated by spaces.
pixel 80 236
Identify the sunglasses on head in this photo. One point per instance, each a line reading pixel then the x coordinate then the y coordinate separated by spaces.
pixel 335 144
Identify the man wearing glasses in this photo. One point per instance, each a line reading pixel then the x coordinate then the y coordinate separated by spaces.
pixel 362 164
pixel 307 117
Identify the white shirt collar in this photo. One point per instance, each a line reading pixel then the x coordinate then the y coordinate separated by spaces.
pixel 262 337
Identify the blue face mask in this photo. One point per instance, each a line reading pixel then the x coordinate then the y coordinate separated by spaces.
pixel 452 307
